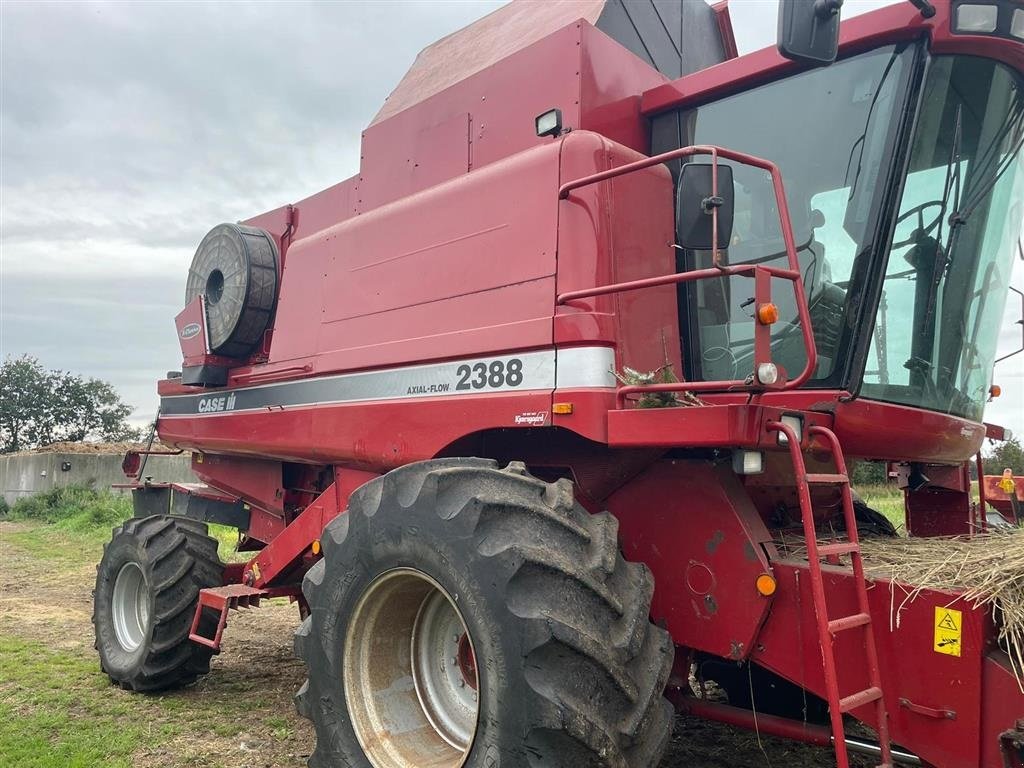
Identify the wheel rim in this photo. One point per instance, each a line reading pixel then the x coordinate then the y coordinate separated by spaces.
pixel 410 674
pixel 130 607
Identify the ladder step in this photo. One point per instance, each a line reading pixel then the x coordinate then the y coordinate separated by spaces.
pixel 849 622
pixel 842 548
pixel 222 600
pixel 826 479
pixel 859 699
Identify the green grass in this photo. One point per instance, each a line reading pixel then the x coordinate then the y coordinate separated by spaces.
pixel 89 515
pixel 54 711
pixel 58 710
pixel 887 499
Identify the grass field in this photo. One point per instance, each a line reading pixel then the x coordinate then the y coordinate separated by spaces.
pixel 887 499
pixel 57 709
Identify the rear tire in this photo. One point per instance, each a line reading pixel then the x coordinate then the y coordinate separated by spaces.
pixel 566 668
pixel 147 590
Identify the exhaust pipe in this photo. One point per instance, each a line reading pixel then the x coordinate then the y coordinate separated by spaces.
pixel 783 727
pixel 865 747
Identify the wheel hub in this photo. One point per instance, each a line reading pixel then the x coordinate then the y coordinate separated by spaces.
pixel 410 674
pixel 130 607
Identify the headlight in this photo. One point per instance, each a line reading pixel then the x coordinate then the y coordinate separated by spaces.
pixel 767 373
pixel 976 18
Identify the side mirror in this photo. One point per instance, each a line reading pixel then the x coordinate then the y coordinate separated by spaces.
pixel 695 205
pixel 809 30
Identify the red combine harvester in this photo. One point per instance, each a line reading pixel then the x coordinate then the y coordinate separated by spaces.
pixel 519 415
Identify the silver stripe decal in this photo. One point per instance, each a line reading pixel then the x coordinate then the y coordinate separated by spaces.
pixel 579 367
pixel 527 371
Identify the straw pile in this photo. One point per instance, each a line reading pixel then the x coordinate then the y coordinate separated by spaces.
pixel 987 568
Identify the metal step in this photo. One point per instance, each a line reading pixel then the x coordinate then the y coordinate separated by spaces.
pixel 827 479
pixel 842 548
pixel 222 600
pixel 848 622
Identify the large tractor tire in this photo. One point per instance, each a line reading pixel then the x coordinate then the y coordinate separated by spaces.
pixel 235 269
pixel 466 615
pixel 147 590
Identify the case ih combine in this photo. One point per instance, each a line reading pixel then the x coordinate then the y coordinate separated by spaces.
pixel 519 415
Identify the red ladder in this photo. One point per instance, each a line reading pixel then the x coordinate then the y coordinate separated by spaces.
pixel 860 621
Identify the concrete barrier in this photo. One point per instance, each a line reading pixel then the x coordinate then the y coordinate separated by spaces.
pixel 23 474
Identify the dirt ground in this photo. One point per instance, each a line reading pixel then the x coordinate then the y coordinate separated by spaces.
pixel 242 714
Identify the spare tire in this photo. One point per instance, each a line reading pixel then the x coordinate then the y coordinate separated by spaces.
pixel 235 269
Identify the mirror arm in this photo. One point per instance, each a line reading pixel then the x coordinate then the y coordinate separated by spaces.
pixel 826 8
pixel 926 8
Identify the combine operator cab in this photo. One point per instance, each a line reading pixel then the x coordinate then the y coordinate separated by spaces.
pixel 905 184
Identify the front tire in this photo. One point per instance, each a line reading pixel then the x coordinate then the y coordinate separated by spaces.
pixel 558 664
pixel 147 590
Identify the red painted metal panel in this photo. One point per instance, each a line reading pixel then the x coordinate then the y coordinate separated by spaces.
pixel 324 209
pixel 614 231
pixel 296 540
pixel 191 326
pixel 387 281
pixel 486 42
pixel 695 528
pixel 611 80
pixel 724 21
pixel 919 683
pixel 741 426
pixel 434 153
pixel 874 430
pixel 501 114
pixel 1001 706
pixel 254 481
pixel 378 435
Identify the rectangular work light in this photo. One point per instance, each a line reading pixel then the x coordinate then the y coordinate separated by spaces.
pixel 549 123
pixel 747 462
pixel 796 423
pixel 976 17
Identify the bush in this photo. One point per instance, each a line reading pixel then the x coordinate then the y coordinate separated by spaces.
pixel 5 508
pixel 74 507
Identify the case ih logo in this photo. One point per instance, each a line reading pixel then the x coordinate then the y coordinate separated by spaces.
pixel 217 404
pixel 190 330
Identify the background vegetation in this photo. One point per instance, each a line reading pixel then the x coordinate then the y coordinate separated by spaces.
pixel 39 407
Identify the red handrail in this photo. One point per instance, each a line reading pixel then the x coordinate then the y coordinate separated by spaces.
pixel 760 274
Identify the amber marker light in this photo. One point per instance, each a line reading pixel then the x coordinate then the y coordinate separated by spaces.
pixel 995 391
pixel 561 409
pixel 766 585
pixel 316 546
pixel 767 313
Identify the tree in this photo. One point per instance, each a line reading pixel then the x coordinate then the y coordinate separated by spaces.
pixel 1007 453
pixel 39 407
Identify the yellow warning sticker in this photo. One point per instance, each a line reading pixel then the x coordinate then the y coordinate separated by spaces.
pixel 948 629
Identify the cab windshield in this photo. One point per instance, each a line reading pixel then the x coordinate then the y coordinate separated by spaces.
pixel 950 259
pixel 906 278
pixel 832 132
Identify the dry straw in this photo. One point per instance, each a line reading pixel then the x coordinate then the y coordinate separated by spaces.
pixel 987 570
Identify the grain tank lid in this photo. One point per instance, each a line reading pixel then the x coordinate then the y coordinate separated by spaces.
pixel 483 43
pixel 675 37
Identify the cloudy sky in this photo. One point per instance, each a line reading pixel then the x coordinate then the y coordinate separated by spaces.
pixel 127 130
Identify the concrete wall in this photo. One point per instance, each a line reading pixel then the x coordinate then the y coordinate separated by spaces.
pixel 27 473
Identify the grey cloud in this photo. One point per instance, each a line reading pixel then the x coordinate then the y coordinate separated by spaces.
pixel 127 130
